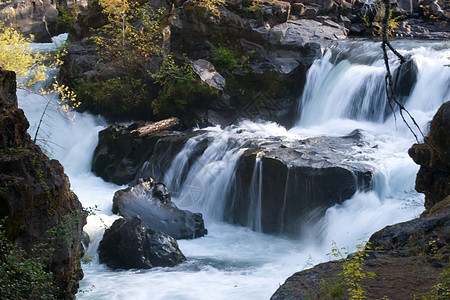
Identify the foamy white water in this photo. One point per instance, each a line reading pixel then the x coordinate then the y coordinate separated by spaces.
pixel 234 262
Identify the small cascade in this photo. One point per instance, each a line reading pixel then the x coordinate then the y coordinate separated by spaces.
pixel 348 83
pixel 255 202
pixel 285 198
pixel 202 182
pixel 176 174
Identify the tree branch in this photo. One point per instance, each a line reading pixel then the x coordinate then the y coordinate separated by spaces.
pixel 389 82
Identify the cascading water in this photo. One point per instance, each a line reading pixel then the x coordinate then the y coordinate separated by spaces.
pixel 254 216
pixel 342 93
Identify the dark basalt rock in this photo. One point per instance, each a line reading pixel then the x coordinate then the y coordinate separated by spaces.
pixel 433 157
pixel 35 196
pixel 405 78
pixel 297 178
pixel 151 202
pixel 413 237
pixel 129 245
pixel 119 156
pixel 32 17
pixel 409 257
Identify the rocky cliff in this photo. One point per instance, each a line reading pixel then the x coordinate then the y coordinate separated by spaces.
pixel 260 51
pixel 32 18
pixel 410 259
pixel 36 203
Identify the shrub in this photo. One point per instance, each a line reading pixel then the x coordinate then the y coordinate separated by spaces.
pixel 66 17
pixel 181 90
pixel 347 285
pixel 23 276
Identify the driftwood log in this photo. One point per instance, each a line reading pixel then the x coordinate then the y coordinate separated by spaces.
pixel 153 128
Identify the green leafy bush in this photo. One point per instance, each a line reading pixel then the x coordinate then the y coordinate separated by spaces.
pixel 347 285
pixel 181 90
pixel 226 58
pixel 66 17
pixel 22 276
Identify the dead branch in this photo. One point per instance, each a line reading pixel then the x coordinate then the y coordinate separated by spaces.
pixel 155 127
pixel 389 83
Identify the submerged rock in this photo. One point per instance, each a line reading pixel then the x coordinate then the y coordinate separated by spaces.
pixel 128 245
pixel 152 203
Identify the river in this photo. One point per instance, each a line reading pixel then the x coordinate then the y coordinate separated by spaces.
pixel 344 91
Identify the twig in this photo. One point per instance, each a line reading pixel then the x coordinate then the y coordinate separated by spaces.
pixel 390 93
pixel 40 121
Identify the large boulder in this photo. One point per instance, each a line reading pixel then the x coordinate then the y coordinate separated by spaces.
pixel 433 156
pixel 294 179
pixel 152 203
pixel 419 235
pixel 129 245
pixel 35 197
pixel 120 155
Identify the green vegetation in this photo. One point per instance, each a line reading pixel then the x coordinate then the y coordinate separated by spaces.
pixel 66 16
pixel 226 58
pixel 17 55
pixel 131 37
pixel 180 91
pixel 211 5
pixel 255 8
pixel 23 276
pixel 347 285
pixel 442 289
pixel 118 97
pixel 147 81
pixel 129 45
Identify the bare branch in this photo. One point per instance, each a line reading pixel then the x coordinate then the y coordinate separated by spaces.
pixel 389 82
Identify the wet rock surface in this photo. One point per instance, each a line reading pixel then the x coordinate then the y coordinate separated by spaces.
pixel 120 155
pixel 297 176
pixel 298 179
pixel 409 258
pixel 129 245
pixel 151 202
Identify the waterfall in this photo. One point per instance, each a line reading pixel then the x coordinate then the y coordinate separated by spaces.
pixel 234 262
pixel 348 83
pixel 254 210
